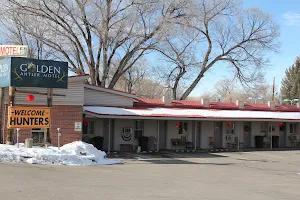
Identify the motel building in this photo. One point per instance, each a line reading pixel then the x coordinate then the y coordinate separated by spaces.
pixel 117 121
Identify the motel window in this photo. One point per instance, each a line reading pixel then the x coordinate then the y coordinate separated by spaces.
pixel 182 129
pixel 293 128
pixel 263 126
pixel 38 135
pixel 89 128
pixel 139 128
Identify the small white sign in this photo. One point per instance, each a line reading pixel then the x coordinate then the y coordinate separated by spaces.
pixel 78 126
pixel 13 50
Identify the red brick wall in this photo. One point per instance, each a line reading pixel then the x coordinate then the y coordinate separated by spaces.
pixel 63 117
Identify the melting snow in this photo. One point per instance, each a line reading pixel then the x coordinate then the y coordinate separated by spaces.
pixel 75 153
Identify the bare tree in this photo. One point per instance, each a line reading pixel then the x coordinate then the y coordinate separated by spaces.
pixel 225 88
pixel 133 77
pixel 233 36
pixel 178 53
pixel 13 33
pixel 93 34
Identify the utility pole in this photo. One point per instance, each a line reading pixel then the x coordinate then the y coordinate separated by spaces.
pixel 273 92
pixel 2 111
pixel 11 102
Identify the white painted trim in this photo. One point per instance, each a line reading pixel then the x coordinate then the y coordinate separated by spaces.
pixel 187 119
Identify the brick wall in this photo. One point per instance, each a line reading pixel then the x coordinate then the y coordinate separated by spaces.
pixel 63 117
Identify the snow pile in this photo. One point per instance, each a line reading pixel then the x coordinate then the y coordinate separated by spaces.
pixel 75 153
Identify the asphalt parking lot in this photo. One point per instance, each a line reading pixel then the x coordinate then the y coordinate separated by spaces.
pixel 207 176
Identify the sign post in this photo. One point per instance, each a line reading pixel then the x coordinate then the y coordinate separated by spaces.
pixel 18 137
pixel 58 138
pixel 11 102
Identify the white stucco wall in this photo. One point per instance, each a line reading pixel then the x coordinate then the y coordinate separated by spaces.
pixel 119 125
pixel 275 125
pixel 98 127
pixel 238 132
pixel 150 128
pixel 288 142
pixel 172 132
pixel 207 130
pixel 255 131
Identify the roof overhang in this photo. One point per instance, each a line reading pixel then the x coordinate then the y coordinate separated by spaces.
pixel 189 114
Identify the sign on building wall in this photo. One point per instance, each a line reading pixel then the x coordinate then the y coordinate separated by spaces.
pixel 13 50
pixel 29 117
pixel 78 126
pixel 25 72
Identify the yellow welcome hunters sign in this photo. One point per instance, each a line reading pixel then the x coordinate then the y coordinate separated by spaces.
pixel 29 117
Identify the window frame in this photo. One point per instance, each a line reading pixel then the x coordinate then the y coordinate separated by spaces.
pixel 41 134
pixel 139 131
pixel 183 128
pixel 293 126
pixel 89 129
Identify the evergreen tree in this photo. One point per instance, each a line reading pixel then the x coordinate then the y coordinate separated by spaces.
pixel 290 85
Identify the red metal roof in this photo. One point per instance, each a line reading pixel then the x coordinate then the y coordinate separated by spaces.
pixel 257 107
pixel 186 104
pixel 287 108
pixel 223 105
pixel 180 104
pixel 143 102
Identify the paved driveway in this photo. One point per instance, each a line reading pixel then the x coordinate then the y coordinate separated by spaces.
pixel 248 175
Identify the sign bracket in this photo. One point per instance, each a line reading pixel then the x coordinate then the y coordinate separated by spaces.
pixel 40 93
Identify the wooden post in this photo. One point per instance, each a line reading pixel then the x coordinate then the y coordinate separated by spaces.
pixel 2 112
pixel 11 102
pixel 47 138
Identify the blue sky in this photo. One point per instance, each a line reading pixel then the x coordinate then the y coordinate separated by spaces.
pixel 287 15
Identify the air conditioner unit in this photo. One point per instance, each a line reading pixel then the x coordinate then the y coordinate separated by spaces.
pixel 127 130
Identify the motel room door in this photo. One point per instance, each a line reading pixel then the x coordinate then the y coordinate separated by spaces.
pixel 162 134
pixel 247 135
pixel 282 135
pixel 218 135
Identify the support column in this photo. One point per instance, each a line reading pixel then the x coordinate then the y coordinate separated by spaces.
pixel 238 136
pixel 195 146
pixel 2 117
pixel 109 133
pixel 11 101
pixel 271 136
pixel 157 141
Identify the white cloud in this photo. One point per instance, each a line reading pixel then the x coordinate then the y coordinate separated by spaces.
pixel 292 19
